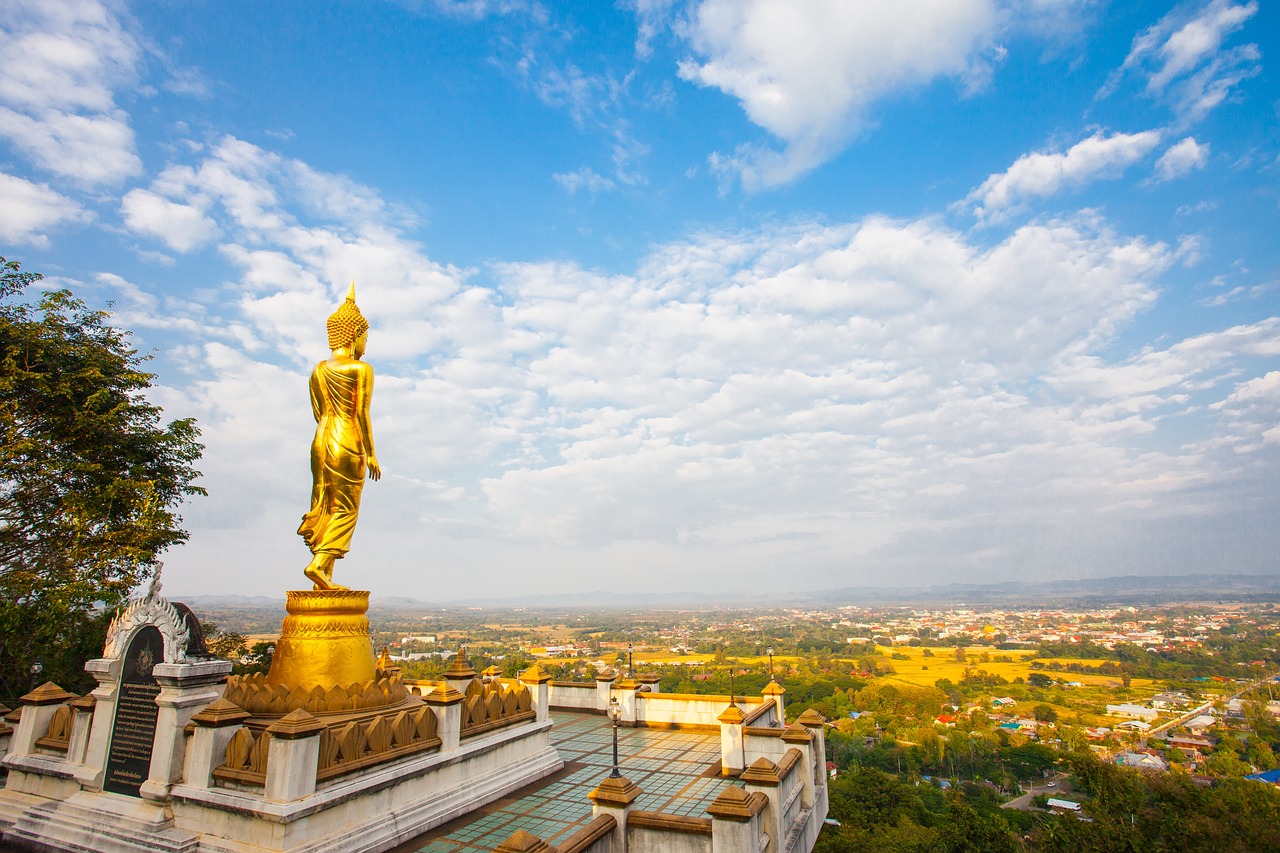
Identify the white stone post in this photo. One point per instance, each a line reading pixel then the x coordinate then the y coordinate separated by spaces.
pixel 625 691
pixel 107 673
pixel 459 674
pixel 732 749
pixel 185 688
pixel 736 822
pixel 817 753
pixel 447 705
pixel 763 776
pixel 798 736
pixel 81 721
pixel 604 691
pixel 38 708
pixel 615 796
pixel 775 691
pixel 214 728
pixel 539 684
pixel 293 757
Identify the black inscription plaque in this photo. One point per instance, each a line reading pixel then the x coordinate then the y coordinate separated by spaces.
pixel 133 732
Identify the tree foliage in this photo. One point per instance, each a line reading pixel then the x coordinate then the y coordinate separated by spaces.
pixel 90 479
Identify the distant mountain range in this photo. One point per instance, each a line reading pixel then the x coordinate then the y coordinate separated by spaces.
pixel 1128 589
pixel 253 602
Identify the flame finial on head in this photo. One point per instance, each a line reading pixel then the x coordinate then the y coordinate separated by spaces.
pixel 347 323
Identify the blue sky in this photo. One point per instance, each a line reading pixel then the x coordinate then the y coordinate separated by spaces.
pixel 685 294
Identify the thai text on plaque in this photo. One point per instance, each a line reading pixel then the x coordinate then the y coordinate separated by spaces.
pixel 133 732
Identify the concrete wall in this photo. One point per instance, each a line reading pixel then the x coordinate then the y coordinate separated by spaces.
pixel 571 695
pixel 686 709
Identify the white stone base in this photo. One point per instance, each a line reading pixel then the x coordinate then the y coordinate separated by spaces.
pixel 365 812
pixel 13 804
pixel 374 810
pixel 101 823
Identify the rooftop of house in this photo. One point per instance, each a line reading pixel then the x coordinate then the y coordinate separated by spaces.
pixel 678 772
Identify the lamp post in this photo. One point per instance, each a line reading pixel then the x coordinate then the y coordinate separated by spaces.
pixel 769 651
pixel 615 714
pixel 36 669
pixel 631 669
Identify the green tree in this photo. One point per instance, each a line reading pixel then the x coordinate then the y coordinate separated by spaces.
pixel 90 480
pixel 1045 713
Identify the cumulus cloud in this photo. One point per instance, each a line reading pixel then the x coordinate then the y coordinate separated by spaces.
pixel 28 210
pixel 583 179
pixel 296 236
pixel 60 64
pixel 807 73
pixel 1181 159
pixel 182 227
pixel 1184 61
pixel 1044 173
pixel 837 395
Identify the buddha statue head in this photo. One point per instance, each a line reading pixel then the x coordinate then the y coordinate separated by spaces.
pixel 347 324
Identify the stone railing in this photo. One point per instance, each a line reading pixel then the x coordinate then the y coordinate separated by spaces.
pixel 246 758
pixel 385 737
pixel 493 705
pixel 595 837
pixel 345 745
pixel 255 695
pixel 738 821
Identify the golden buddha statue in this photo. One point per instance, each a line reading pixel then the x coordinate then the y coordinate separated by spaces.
pixel 341 389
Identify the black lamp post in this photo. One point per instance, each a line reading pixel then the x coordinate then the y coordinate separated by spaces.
pixel 769 651
pixel 615 714
pixel 631 669
pixel 36 669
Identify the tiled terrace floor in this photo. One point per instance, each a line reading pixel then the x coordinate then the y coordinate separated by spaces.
pixel 676 770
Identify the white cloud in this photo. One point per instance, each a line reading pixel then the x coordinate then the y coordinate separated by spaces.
pixel 1184 60
pixel 807 73
pixel 59 66
pixel 1251 408
pixel 583 179
pixel 1181 159
pixel 1042 174
pixel 828 397
pixel 478 9
pixel 28 210
pixel 297 237
pixel 652 18
pixel 182 227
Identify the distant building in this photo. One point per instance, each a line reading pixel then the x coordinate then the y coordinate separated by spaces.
pixel 1128 709
pixel 1142 761
pixel 1196 725
pixel 1134 725
pixel 1171 699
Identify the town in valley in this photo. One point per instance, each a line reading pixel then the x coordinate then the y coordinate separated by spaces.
pixel 1036 715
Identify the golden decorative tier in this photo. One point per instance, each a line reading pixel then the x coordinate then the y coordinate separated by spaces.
pixel 324 641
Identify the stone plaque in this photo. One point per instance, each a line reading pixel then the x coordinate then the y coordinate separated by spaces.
pixel 133 732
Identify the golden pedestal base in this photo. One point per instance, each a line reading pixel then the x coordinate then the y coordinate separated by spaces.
pixel 324 641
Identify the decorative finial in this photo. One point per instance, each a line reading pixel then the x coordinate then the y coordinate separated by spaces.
pixel 351 292
pixel 153 591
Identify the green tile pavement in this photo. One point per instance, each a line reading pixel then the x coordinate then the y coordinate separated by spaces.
pixel 671 767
